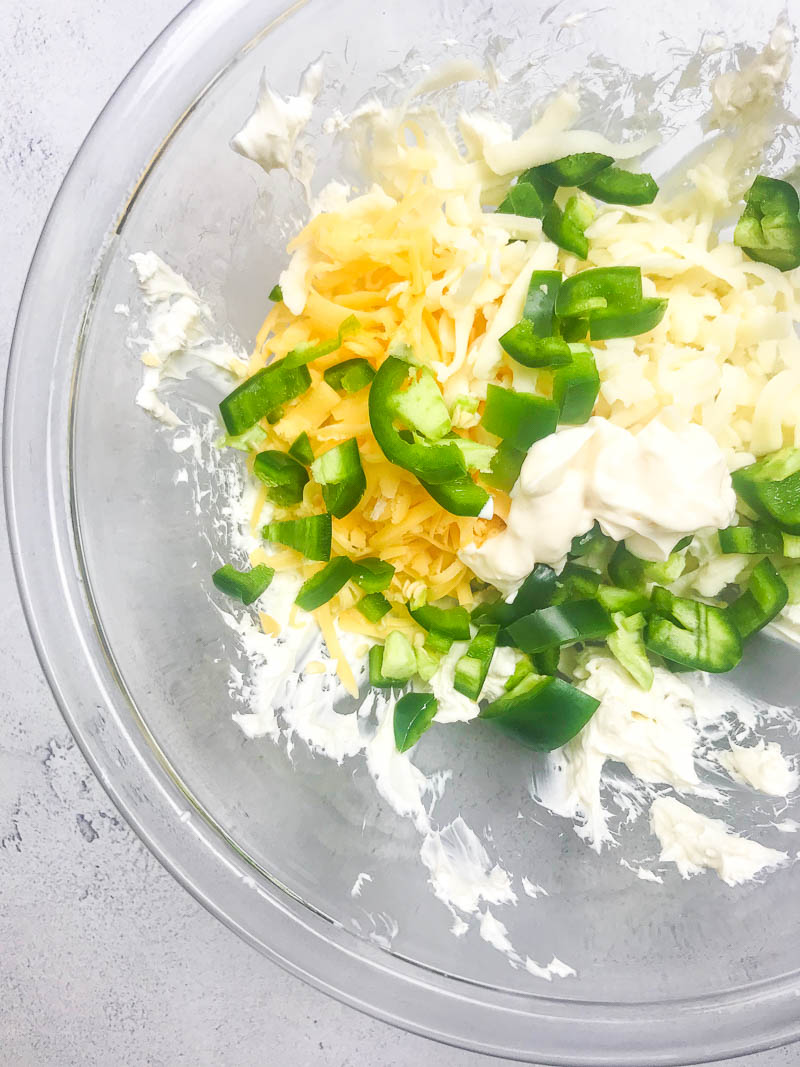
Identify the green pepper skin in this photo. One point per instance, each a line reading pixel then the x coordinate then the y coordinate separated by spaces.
pixel 697 636
pixel 537 591
pixel 750 540
pixel 472 668
pixel 541 712
pixel 617 186
pixel 432 463
pixel 266 391
pixel 577 169
pixel 460 497
pixel 605 323
pixel 325 584
pixel 373 575
pixel 559 625
pixel 283 476
pixel 300 449
pixel 350 376
pixel 519 418
pixel 771 487
pixel 769 229
pixel 565 232
pixel 505 467
pixel 341 477
pixel 310 536
pixel 451 622
pixel 373 606
pixel 576 387
pixel 246 586
pixel 524 345
pixel 530 197
pixel 413 714
pixel 765 596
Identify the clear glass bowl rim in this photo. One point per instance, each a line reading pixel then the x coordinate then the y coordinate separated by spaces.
pixel 204 39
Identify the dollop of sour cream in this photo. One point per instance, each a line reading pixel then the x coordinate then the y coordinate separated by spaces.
pixel 648 489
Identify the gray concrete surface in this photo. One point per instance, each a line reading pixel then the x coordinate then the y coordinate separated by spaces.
pixel 104 959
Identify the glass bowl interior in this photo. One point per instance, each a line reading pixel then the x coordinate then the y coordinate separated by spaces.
pixel 114 562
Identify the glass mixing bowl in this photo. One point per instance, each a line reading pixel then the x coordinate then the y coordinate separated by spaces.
pixel 109 552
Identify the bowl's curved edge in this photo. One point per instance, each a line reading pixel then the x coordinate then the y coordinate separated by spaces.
pixel 35 571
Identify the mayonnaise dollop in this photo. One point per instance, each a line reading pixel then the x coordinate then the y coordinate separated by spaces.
pixel 648 489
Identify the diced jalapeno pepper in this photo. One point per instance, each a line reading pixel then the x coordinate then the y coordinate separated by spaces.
pixel 422 407
pixel 771 487
pixel 607 323
pixel 246 586
pixel 300 449
pixel 546 662
pixel 576 583
pixel 750 540
pixel 567 228
pixel 283 476
pixel 599 287
pixel 377 677
pixel 530 197
pixel 764 597
pixel 559 625
pixel 341 476
pixel 626 601
pixel 541 712
pixel 460 497
pixel 373 606
pixel 519 418
pixel 576 387
pixel 433 463
pixel 617 186
pixel 611 299
pixel 473 666
pixel 276 294
pixel 267 390
pixel 372 575
pixel 586 544
pixel 413 714
pixel 630 572
pixel 310 536
pixel 399 661
pixel 325 584
pixel 626 645
pixel 698 636
pixel 349 376
pixel 505 467
pixel 536 592
pixel 576 169
pixel 523 344
pixel 451 622
pixel 307 352
pixel 769 229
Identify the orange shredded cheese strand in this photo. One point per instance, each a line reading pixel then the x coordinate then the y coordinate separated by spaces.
pixel 343 669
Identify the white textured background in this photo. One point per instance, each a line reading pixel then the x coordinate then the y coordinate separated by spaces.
pixel 104 959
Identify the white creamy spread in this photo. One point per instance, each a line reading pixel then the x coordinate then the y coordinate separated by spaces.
pixel 763 766
pixel 270 135
pixel 651 732
pixel 180 335
pixel 694 842
pixel 454 706
pixel 649 489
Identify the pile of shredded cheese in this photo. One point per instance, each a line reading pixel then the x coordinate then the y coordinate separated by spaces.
pixel 421 260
